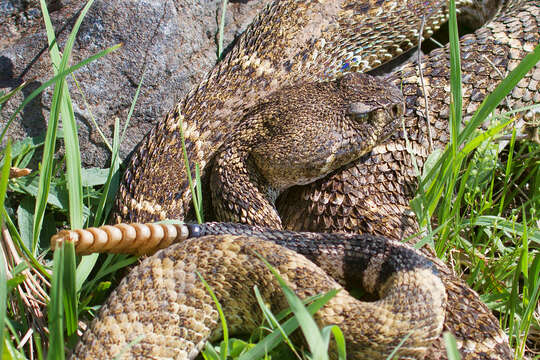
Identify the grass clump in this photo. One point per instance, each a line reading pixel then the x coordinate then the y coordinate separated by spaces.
pixel 486 203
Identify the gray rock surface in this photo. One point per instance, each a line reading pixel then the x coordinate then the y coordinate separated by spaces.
pixel 174 40
pixel 21 17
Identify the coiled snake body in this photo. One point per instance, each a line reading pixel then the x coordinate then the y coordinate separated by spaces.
pixel 292 43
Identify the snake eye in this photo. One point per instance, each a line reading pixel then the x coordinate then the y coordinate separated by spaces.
pixel 359 111
pixel 361 116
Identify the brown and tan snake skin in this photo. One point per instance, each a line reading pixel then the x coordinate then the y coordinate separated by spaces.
pixel 288 44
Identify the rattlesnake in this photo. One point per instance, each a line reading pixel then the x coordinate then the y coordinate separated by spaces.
pixel 147 195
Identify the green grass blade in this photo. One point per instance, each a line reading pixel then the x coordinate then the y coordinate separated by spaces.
pixel 10 351
pixel 494 99
pixel 501 223
pixel 273 322
pixel 73 164
pixel 60 103
pixel 286 312
pixel 71 139
pixel 55 308
pixel 20 245
pixel 45 175
pixel 221 28
pixel 451 346
pixel 3 265
pixel 440 171
pixel 111 184
pixel 513 304
pixel 50 140
pixel 455 77
pixel 4 98
pixel 198 188
pixel 485 135
pixel 507 173
pixel 188 171
pixel 534 281
pixel 224 351
pixel 132 107
pixel 61 62
pixel 272 340
pixel 84 269
pixel 310 329
pixel 37 343
pixel 112 263
pixel 209 352
pixel 338 337
pixel 525 259
pixel 396 349
pixel 530 303
pixel 5 176
pixel 70 289
pixel 105 203
pixel 3 298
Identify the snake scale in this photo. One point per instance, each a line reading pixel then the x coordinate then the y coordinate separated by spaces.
pixel 295 42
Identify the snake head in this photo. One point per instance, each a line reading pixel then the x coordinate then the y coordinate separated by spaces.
pixel 376 105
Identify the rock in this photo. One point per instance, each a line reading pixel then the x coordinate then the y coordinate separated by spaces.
pixel 20 17
pixel 174 40
pixel 10 7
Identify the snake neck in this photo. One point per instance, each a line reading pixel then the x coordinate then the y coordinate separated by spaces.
pixel 239 193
